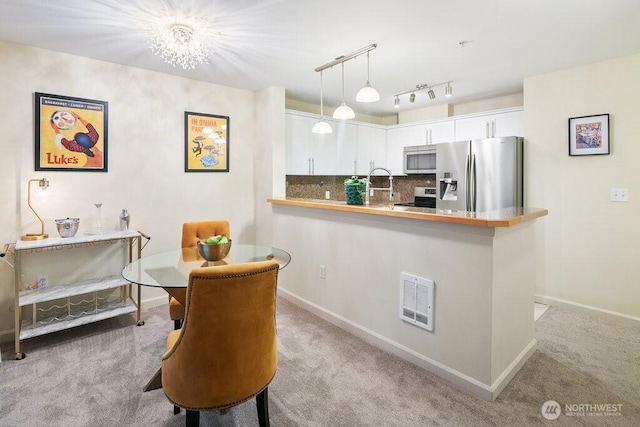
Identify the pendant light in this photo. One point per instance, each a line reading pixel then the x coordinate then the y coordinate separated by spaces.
pixel 343 112
pixel 367 93
pixel 321 126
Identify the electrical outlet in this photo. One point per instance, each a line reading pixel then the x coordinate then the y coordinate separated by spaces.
pixel 42 282
pixel 619 194
pixel 327 194
pixel 323 272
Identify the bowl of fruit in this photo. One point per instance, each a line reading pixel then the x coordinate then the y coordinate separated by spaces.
pixel 214 248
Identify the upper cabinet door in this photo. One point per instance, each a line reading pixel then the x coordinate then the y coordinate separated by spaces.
pixel 472 128
pixel 299 144
pixel 372 149
pixel 438 132
pixel 510 123
pixel 396 141
pixel 336 154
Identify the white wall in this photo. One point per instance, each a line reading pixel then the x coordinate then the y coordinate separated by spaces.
pixel 588 248
pixel 146 154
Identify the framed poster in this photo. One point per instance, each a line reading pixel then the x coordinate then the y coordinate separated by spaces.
pixel 589 135
pixel 206 142
pixel 70 133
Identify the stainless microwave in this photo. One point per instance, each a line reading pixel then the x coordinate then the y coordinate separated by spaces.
pixel 419 159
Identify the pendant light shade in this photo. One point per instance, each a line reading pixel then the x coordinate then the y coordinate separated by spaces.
pixel 321 126
pixel 367 93
pixel 343 112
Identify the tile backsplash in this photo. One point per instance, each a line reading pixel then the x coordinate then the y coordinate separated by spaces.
pixel 316 186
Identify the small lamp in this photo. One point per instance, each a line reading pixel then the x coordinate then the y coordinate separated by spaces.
pixel 43 183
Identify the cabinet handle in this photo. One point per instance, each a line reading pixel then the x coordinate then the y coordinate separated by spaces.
pixel 486 130
pixel 313 166
pixel 493 128
pixel 355 167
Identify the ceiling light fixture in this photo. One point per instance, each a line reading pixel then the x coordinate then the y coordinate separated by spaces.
pixel 181 40
pixel 448 91
pixel 343 112
pixel 321 126
pixel 367 93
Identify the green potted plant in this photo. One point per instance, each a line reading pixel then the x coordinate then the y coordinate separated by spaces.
pixel 354 190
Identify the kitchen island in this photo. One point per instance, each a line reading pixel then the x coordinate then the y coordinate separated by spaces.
pixel 348 264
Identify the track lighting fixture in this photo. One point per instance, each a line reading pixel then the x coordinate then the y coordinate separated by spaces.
pixel 343 112
pixel 321 126
pixel 448 91
pixel 366 94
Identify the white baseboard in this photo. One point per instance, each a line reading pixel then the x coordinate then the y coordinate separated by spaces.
pixel 461 380
pixel 583 308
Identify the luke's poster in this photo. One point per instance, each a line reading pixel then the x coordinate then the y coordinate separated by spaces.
pixel 71 133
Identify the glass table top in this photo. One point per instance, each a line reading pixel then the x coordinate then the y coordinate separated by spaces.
pixel 171 269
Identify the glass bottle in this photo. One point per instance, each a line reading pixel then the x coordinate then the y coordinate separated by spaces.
pixel 97 225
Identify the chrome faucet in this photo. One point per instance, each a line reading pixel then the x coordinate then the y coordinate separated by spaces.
pixel 369 188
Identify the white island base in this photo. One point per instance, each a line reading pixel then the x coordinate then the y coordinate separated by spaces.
pixel 484 285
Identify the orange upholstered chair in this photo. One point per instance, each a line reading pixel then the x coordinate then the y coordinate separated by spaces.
pixel 226 351
pixel 192 232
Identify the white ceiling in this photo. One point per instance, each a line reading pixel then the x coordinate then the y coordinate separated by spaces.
pixel 281 42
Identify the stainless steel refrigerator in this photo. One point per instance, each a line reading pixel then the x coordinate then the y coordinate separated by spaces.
pixel 479 175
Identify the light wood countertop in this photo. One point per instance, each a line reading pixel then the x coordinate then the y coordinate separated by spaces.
pixel 507 217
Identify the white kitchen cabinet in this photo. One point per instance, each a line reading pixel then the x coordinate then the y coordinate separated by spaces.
pixel 300 144
pixel 494 125
pixel 396 141
pixel 372 149
pixel 57 299
pixel 308 153
pixel 338 156
pixel 441 131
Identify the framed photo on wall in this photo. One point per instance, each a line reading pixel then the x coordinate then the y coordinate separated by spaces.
pixel 70 133
pixel 206 142
pixel 589 135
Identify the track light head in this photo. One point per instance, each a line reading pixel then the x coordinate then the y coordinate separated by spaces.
pixel 412 97
pixel 448 91
pixel 396 103
pixel 431 94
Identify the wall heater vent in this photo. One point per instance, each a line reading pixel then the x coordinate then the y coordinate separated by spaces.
pixel 416 300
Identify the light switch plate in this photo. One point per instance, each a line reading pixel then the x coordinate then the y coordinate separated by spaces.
pixel 619 194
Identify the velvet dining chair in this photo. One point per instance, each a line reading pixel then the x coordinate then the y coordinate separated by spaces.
pixel 192 232
pixel 225 353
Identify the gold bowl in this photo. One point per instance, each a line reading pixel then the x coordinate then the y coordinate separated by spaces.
pixel 214 252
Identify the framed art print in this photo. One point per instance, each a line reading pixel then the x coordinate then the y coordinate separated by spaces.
pixel 70 133
pixel 206 142
pixel 589 135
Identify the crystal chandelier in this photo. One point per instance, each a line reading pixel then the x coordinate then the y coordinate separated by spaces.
pixel 181 42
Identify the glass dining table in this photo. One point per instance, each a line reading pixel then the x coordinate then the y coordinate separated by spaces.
pixel 170 271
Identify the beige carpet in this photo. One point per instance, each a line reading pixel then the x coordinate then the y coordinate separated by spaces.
pixel 93 376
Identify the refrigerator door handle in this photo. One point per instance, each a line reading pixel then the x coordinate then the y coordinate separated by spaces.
pixel 467 183
pixel 474 190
